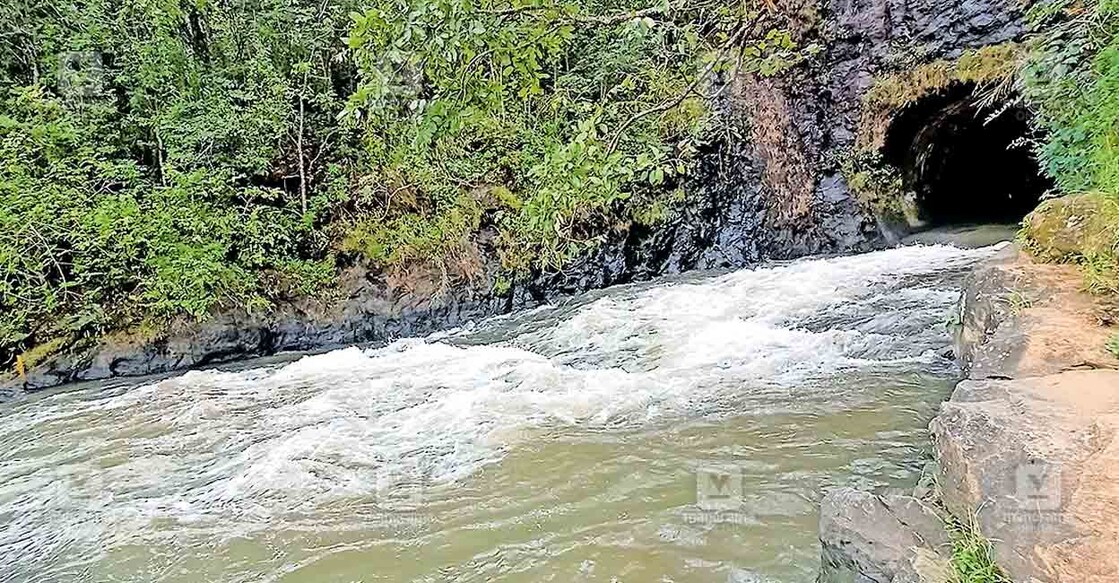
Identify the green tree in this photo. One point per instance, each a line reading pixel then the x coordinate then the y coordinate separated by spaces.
pixel 168 158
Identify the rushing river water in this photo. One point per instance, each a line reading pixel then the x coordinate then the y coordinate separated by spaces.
pixel 682 430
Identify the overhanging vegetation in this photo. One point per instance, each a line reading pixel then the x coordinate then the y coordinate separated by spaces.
pixel 166 159
pixel 1072 81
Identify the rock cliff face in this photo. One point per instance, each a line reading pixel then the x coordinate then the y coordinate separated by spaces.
pixel 769 188
pixel 870 38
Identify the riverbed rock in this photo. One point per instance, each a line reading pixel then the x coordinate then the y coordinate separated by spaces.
pixel 868 538
pixel 1017 318
pixel 1035 461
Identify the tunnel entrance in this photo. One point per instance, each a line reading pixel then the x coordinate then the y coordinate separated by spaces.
pixel 966 164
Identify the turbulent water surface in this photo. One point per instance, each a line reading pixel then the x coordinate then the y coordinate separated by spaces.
pixel 576 442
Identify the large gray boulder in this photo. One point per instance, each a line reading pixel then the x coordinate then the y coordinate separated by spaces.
pixel 1036 463
pixel 868 538
pixel 1026 444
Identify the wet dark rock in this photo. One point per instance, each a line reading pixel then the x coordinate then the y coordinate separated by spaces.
pixel 867 38
pixel 983 308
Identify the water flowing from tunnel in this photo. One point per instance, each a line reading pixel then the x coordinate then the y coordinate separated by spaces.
pixel 569 443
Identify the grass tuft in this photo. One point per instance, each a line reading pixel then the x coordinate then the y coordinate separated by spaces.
pixel 972 556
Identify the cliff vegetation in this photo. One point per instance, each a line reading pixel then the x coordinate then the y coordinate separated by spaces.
pixel 164 159
pixel 1072 80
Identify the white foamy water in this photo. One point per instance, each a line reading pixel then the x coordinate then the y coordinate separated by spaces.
pixel 561 443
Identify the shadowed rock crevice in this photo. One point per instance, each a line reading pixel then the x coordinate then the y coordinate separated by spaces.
pixel 966 159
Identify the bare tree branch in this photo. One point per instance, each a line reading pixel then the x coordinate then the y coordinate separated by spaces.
pixel 610 19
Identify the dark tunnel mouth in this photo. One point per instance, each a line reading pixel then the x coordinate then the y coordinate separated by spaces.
pixel 966 163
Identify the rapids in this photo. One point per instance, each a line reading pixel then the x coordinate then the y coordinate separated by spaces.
pixel 574 442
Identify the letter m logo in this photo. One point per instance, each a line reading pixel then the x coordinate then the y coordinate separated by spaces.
pixel 719 488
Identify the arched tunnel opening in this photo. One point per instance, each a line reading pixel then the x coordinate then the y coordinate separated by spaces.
pixel 965 162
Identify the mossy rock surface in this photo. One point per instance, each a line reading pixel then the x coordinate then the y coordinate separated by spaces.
pixel 982 67
pixel 1071 227
pixel 1081 229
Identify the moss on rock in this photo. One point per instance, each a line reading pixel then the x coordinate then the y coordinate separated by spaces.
pixel 878 187
pixel 891 94
pixel 1081 229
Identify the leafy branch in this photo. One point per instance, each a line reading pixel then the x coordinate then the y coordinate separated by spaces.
pixel 676 101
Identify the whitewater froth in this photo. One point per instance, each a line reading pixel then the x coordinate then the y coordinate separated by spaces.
pixel 241 451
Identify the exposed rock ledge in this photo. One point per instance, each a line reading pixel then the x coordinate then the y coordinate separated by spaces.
pixel 1026 444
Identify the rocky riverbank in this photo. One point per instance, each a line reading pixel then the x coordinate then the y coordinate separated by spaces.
pixel 725 225
pixel 1026 445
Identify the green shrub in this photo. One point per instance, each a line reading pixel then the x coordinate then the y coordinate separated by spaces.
pixel 414 237
pixel 1072 80
pixel 145 149
pixel 168 159
pixel 1113 345
pixel 972 560
pixel 878 186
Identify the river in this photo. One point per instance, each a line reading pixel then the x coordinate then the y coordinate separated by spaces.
pixel 680 430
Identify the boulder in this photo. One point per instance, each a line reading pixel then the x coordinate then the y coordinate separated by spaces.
pixel 1035 462
pixel 1026 443
pixel 867 538
pixel 1021 319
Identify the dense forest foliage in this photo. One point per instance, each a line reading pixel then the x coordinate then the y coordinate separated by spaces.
pixel 1071 81
pixel 165 158
pixel 168 157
